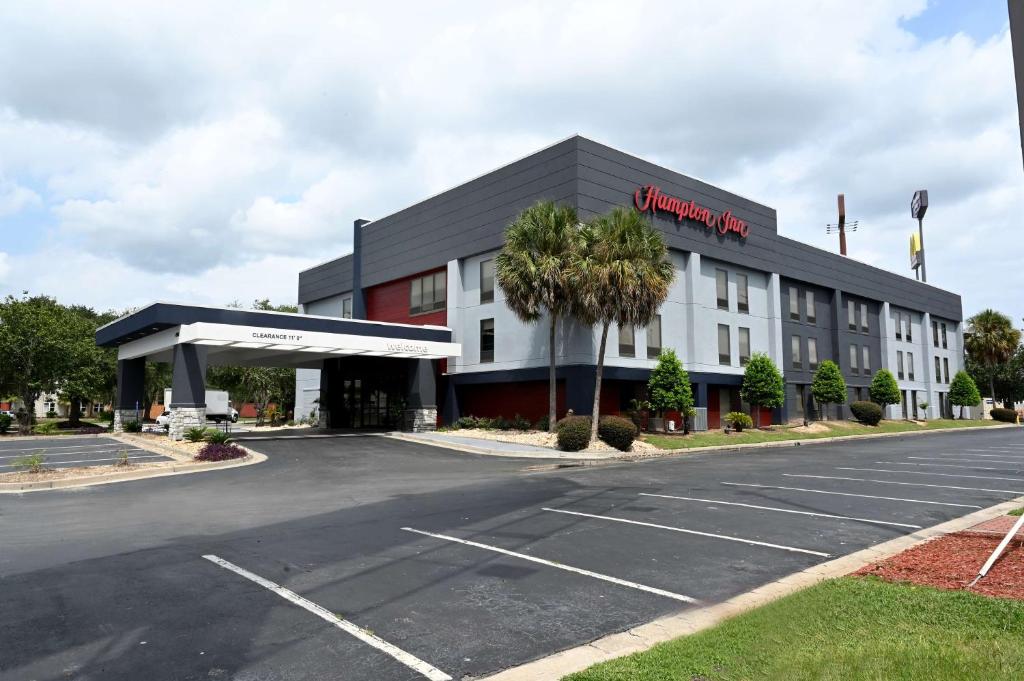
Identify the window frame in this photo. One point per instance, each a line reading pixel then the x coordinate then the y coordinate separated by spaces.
pixel 742 293
pixel 945 369
pixel 945 340
pixel 795 350
pixel 854 352
pixel 812 357
pixel 346 303
pixel 486 294
pixel 812 313
pixel 851 315
pixel 938 370
pixel 627 349
pixel 865 320
pixel 865 360
pixel 794 304
pixel 487 354
pixel 724 359
pixel 720 277
pixel 744 358
pixel 438 287
pixel 654 329
pixel 910 366
pixel 899 326
pixel 899 364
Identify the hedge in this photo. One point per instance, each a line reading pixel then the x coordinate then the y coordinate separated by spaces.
pixel 1003 414
pixel 573 433
pixel 867 413
pixel 617 432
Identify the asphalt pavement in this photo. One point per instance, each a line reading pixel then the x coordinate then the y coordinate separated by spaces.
pixel 71 451
pixel 370 558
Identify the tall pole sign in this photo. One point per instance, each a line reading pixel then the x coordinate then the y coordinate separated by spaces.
pixel 918 207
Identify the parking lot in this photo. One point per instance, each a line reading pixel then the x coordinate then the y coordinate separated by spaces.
pixel 369 558
pixel 64 452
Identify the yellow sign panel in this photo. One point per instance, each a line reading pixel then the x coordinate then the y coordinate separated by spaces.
pixel 915 249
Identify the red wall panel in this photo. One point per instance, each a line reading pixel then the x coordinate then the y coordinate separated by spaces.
pixel 390 303
pixel 526 398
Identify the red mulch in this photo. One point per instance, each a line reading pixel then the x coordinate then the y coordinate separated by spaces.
pixel 952 562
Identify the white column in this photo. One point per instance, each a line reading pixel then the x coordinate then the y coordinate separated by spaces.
pixel 456 303
pixel 928 362
pixel 775 320
pixel 885 330
pixel 691 296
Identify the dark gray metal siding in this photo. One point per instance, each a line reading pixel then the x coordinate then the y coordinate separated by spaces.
pixel 328 279
pixel 468 219
pixel 471 219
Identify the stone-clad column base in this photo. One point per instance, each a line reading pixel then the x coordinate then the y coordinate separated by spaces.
pixel 183 418
pixel 323 418
pixel 123 416
pixel 419 420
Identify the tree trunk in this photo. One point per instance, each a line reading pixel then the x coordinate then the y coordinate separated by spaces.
pixel 992 389
pixel 75 411
pixel 596 413
pixel 552 381
pixel 147 406
pixel 26 417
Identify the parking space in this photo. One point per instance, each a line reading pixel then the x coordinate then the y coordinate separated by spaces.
pixel 402 561
pixel 65 452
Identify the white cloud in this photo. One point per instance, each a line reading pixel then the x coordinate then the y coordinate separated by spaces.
pixel 183 149
pixel 5 267
pixel 14 198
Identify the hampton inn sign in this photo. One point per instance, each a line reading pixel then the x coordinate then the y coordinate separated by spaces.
pixel 651 198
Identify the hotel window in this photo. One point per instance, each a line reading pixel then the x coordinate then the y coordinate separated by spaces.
pixel 724 353
pixel 909 332
pixel 346 308
pixel 428 293
pixel 944 345
pixel 798 363
pixel 812 314
pixel 744 346
pixel 851 315
pixel 801 399
pixel 899 326
pixel 910 366
pixel 864 317
pixel 486 281
pixel 945 369
pixel 853 359
pixel 654 337
pixel 899 364
pixel 742 293
pixel 627 343
pixel 938 371
pixel 812 353
pixel 722 286
pixel 866 363
pixel 794 304
pixel 486 340
pixel 935 333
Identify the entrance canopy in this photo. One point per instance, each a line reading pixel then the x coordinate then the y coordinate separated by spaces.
pixel 274 339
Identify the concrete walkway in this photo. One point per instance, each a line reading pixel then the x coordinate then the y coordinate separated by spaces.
pixel 480 445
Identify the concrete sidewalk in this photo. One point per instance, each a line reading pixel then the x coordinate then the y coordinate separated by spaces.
pixel 487 447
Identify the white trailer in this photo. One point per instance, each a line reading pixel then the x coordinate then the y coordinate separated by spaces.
pixel 218 407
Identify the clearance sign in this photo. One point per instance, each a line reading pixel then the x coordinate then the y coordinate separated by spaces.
pixel 651 199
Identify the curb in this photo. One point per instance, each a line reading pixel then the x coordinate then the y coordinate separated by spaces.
pixel 663 629
pixel 813 441
pixel 184 466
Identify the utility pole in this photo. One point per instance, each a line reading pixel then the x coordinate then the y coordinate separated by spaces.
pixel 841 225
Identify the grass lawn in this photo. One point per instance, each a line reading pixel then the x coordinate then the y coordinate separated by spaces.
pixel 1016 511
pixel 828 429
pixel 847 629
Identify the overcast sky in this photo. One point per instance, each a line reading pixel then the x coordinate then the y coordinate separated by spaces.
pixel 178 152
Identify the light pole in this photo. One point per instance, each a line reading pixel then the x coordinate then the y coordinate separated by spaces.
pixel 918 207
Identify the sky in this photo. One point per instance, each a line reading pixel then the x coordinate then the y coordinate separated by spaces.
pixel 207 152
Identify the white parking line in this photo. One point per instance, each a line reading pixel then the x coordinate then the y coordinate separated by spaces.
pixel 940 458
pixel 560 566
pixel 894 482
pixel 363 635
pixel 1009 450
pixel 54 463
pixel 32 449
pixel 849 494
pixel 947 465
pixel 48 453
pixel 783 510
pixel 752 542
pixel 945 475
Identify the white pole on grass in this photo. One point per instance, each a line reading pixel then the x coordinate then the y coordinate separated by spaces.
pixel 999 550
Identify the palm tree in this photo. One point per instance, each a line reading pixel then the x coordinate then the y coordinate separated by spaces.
pixel 532 272
pixel 622 276
pixel 991 340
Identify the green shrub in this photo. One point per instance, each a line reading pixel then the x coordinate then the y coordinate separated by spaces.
pixel 573 433
pixel 542 423
pixel 617 432
pixel 196 434
pixel 484 423
pixel 132 426
pixel 1003 414
pixel 464 422
pixel 107 416
pixel 738 420
pixel 5 423
pixel 45 428
pixel 963 391
pixel 501 423
pixel 867 413
pixel 51 414
pixel 521 423
pixel 216 437
pixel 884 390
pixel 33 463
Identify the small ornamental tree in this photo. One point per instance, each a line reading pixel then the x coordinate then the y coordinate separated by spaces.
pixel 884 390
pixel 828 386
pixel 762 384
pixel 963 392
pixel 668 387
